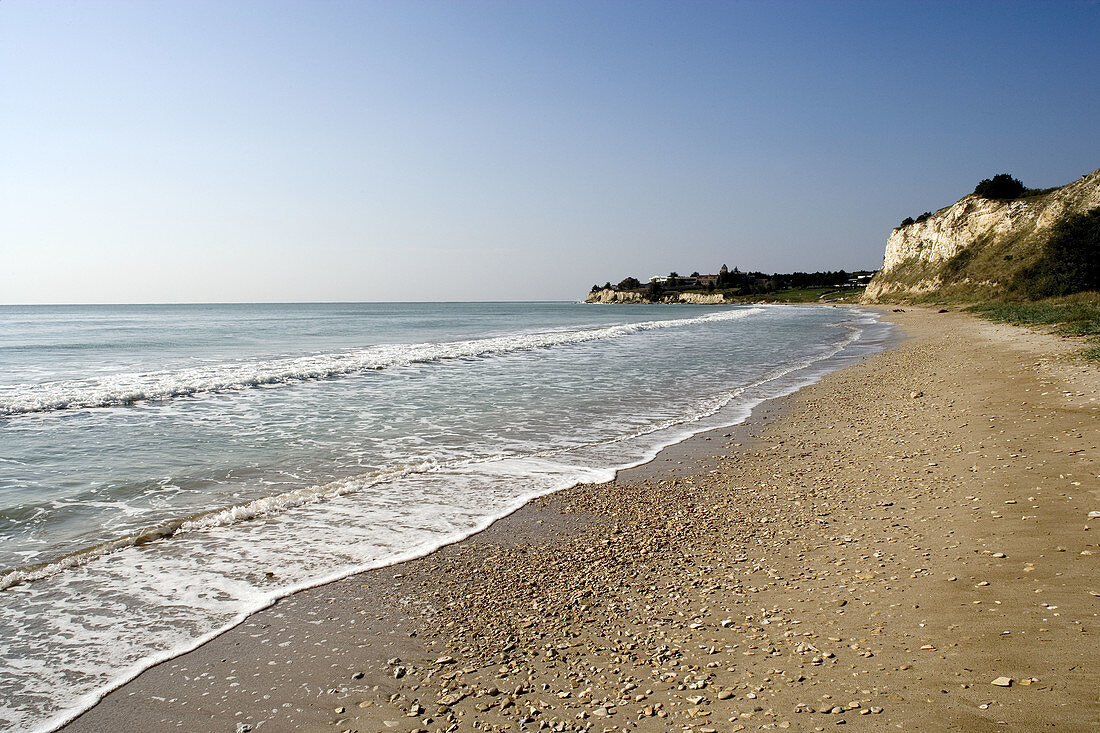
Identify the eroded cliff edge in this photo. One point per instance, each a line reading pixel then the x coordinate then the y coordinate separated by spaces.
pixel 607 295
pixel 975 245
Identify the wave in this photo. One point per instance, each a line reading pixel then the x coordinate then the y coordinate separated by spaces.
pixel 206 520
pixel 121 390
pixel 266 506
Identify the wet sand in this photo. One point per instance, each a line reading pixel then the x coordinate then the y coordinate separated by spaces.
pixel 874 551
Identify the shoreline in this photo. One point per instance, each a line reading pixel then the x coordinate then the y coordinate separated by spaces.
pixel 875 336
pixel 314 644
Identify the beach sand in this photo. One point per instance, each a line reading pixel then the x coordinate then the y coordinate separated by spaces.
pixel 874 551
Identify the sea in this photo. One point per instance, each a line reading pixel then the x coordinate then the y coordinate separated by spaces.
pixel 167 470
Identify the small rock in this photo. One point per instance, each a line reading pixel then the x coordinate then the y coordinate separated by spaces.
pixel 1002 682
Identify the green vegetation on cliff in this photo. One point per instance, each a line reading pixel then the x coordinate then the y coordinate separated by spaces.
pixel 1015 255
pixel 1001 186
pixel 1069 262
pixel 1003 241
pixel 736 286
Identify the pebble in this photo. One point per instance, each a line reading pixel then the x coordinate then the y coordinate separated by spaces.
pixel 687 583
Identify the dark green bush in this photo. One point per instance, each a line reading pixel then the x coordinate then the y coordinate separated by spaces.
pixel 1001 186
pixel 629 283
pixel 1070 262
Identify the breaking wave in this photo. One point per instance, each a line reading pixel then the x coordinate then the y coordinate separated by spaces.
pixel 128 389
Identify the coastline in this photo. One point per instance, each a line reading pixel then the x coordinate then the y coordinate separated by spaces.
pixel 606 567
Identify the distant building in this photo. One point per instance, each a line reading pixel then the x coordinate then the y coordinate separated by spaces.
pixel 685 279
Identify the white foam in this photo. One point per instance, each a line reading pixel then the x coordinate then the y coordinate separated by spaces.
pixel 130 388
pixel 214 579
pixel 282 502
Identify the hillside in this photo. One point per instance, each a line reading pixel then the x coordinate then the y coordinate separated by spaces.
pixel 735 286
pixel 975 247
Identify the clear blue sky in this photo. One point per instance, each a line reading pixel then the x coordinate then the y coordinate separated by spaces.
pixel 313 150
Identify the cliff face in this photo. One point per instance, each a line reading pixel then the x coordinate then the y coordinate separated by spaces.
pixel 976 244
pixel 702 298
pixel 614 296
pixel 629 296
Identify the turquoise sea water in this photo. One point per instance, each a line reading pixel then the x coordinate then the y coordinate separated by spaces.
pixel 166 470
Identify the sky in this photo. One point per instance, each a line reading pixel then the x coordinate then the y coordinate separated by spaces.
pixel 236 151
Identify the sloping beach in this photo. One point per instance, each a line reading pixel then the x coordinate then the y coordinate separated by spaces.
pixel 904 544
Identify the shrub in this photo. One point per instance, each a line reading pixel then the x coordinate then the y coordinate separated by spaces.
pixel 907 221
pixel 955 266
pixel 924 217
pixel 1070 262
pixel 629 283
pixel 1002 186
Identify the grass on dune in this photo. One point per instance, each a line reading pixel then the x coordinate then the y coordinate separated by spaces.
pixel 1074 315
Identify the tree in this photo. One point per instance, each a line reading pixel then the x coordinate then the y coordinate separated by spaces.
pixel 629 283
pixel 907 221
pixel 1001 187
pixel 594 289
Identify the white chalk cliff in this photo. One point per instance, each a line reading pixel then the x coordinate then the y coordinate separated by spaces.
pixel 606 295
pixel 916 253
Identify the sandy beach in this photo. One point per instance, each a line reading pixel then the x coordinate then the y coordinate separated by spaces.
pixel 905 544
